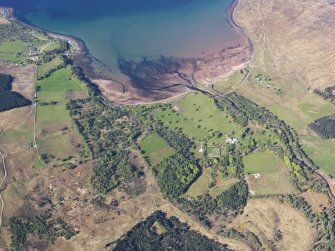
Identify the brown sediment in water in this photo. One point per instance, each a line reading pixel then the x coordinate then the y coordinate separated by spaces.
pixel 162 78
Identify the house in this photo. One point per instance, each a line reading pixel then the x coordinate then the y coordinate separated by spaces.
pixel 232 141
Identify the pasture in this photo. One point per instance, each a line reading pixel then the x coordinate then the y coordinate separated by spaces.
pixel 198 118
pixel 155 148
pixel 202 185
pixel 274 176
pixel 321 152
pixel 56 133
pixel 13 51
pixel 49 66
pixel 13 47
pixel 261 162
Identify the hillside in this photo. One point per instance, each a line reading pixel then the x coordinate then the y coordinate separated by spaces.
pixel 300 34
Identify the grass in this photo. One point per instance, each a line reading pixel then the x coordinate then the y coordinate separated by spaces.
pixel 274 178
pixel 198 118
pixel 261 162
pixel 13 47
pixel 57 145
pixel 51 96
pixel 297 111
pixel 59 82
pixel 46 67
pixel 222 184
pixel 52 113
pixel 158 228
pixel 201 185
pixel 40 36
pixel 52 118
pixel 321 152
pixel 156 148
pixel 278 182
pixel 12 58
pixel 51 45
pixel 290 117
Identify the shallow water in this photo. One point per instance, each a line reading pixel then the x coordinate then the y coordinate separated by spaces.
pixel 134 29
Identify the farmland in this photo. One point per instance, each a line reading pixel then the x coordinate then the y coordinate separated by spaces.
pixel 321 151
pixel 45 68
pixel 13 51
pixel 199 118
pixel 202 185
pixel 155 148
pixel 261 162
pixel 56 135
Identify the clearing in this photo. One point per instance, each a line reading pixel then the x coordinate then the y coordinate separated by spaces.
pixel 156 148
pixel 199 118
pixel 266 217
pixel 321 151
pixel 261 162
pixel 268 174
pixel 202 185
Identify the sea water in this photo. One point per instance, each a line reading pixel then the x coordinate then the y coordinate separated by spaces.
pixel 134 28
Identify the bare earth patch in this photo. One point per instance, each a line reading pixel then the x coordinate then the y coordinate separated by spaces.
pixel 265 217
pixel 3 21
pixel 299 34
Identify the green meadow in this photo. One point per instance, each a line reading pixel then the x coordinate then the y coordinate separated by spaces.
pixel 202 185
pixel 155 148
pixel 199 118
pixel 56 134
pixel 13 47
pixel 46 67
pixel 321 152
pixel 261 162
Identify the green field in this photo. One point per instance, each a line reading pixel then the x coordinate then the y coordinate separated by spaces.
pixel 13 52
pixel 11 58
pixel 49 46
pixel 13 47
pixel 46 67
pixel 274 177
pixel 155 148
pixel 198 118
pixel 201 185
pixel 290 117
pixel 56 134
pixel 261 162
pixel 272 183
pixel 321 152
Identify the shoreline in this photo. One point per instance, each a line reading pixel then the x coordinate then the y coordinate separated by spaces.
pixel 82 58
pixel 79 44
pixel 234 23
